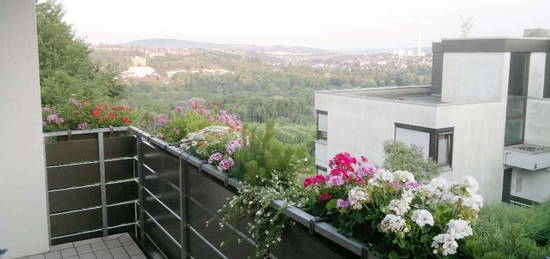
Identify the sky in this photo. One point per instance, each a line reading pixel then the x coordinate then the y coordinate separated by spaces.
pixel 333 25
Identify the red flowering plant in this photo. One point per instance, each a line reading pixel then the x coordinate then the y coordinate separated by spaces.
pixel 85 114
pixel 398 216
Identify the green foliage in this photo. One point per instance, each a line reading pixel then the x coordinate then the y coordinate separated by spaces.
pixel 270 169
pixel 399 156
pixel 264 157
pixel 509 231
pixel 180 124
pixel 85 114
pixel 65 68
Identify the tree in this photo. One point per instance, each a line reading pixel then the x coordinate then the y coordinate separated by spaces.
pixel 65 68
pixel 399 156
pixel 466 25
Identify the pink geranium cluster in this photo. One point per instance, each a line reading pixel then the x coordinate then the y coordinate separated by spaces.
pixel 232 146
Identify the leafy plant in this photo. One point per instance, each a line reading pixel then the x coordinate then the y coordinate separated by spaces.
pixel 270 170
pixel 263 157
pixel 399 156
pixel 509 231
pixel 399 217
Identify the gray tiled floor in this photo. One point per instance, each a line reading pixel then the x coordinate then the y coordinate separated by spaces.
pixel 119 246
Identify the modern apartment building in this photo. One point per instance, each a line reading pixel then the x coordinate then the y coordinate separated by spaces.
pixel 486 114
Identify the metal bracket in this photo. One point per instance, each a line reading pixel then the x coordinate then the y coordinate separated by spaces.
pixel 69 134
pixel 364 252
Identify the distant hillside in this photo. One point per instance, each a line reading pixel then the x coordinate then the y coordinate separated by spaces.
pixel 175 43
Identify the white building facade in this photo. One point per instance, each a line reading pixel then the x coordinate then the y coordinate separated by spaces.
pixel 487 114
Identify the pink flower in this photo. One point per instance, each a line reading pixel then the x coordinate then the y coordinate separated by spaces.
pixel 179 108
pixel 343 160
pixel 213 119
pixel 335 180
pixel 342 203
pixel 83 126
pixel 205 111
pixel 55 119
pixel 46 110
pixel 233 145
pixel 364 159
pixel 318 179
pixel 226 164
pixel 395 185
pixel 365 170
pixel 215 157
pixel 159 136
pixel 325 196
pixel 44 123
pixel 161 119
pixel 75 102
pixel 412 185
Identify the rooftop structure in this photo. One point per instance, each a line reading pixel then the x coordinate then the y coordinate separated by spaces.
pixel 488 95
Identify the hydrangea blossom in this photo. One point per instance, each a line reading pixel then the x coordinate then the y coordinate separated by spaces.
pixel 459 228
pixel 357 197
pixel 393 223
pixel 444 243
pixel 422 218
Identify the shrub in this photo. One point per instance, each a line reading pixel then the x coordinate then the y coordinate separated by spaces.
pixel 85 114
pixel 263 156
pixel 399 156
pixel 398 216
pixel 509 231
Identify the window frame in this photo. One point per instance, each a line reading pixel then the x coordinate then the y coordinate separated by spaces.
pixel 319 135
pixel 546 87
pixel 434 139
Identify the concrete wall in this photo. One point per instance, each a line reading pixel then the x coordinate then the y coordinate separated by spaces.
pixel 477 145
pixel 23 209
pixel 474 77
pixel 532 185
pixel 361 126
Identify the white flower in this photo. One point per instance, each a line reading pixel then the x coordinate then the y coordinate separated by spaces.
pixel 403 176
pixel 357 196
pixel 393 223
pixel 381 175
pixel 422 218
pixel 408 195
pixel 436 188
pixel 400 207
pixel 387 176
pixel 470 183
pixel 444 243
pixel 474 201
pixel 459 228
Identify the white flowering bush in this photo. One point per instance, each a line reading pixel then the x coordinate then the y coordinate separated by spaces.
pixel 398 216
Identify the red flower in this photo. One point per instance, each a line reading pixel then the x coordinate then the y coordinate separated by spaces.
pixel 96 113
pixel 125 120
pixel 324 197
pixel 112 115
pixel 318 179
pixel 343 160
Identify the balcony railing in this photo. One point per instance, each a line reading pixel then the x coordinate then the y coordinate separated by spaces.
pixel 108 181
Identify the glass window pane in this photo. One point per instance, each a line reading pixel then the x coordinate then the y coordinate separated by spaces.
pixel 414 137
pixel 514 132
pixel 322 122
pixel 519 73
pixel 443 151
pixel 515 108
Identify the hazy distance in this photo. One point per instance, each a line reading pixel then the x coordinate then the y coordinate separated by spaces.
pixel 333 25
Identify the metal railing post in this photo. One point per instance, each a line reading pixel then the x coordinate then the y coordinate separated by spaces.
pixel 183 207
pixel 141 179
pixel 103 180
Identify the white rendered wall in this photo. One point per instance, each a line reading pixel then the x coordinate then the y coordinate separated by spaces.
pixel 478 144
pixel 537 64
pixel 474 77
pixel 23 209
pixel 361 126
pixel 537 128
pixel 532 185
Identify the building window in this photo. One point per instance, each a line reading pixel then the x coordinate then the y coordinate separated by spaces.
pixel 322 125
pixel 517 98
pixel 436 144
pixel 321 169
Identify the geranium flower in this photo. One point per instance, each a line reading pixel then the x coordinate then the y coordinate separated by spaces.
pixel 324 196
pixel 342 204
pixel 179 108
pixel 125 120
pixel 82 126
pixel 335 180
pixel 226 164
pixel 215 157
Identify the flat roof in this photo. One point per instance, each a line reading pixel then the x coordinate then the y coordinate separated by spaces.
pixel 409 94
